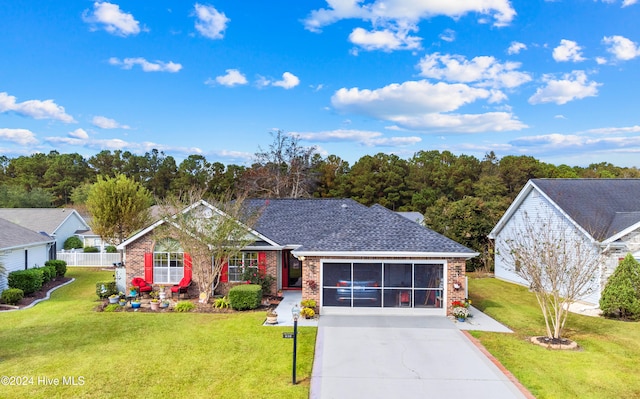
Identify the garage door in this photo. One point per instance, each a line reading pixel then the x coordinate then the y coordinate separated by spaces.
pixel 382 284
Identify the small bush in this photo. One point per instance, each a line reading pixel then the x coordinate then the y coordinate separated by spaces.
pixel 72 242
pixel 184 306
pixel 110 249
pixel 221 303
pixel 307 313
pixel 112 307
pixel 108 290
pixel 29 281
pixel 621 296
pixel 255 276
pixel 12 295
pixel 48 273
pixel 308 303
pixel 91 249
pixel 246 296
pixel 60 266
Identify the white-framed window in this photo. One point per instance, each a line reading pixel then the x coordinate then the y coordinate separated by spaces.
pixel 241 261
pixel 168 262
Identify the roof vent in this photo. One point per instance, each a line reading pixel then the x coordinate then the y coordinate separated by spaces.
pixel 344 206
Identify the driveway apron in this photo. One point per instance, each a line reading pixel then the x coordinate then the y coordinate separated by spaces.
pixel 402 357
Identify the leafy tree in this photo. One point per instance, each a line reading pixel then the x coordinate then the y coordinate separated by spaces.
pixel 558 267
pixel 18 197
pixel 209 236
pixel 105 163
pixel 621 295
pixel 119 206
pixel 65 172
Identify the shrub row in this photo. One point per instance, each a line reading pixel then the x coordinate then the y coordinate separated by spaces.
pixel 246 296
pixel 59 265
pixel 105 289
pixel 29 281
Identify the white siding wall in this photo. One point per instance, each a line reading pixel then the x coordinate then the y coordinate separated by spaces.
pixel 68 229
pixel 535 206
pixel 14 260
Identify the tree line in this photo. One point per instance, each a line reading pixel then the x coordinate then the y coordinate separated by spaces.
pixel 460 196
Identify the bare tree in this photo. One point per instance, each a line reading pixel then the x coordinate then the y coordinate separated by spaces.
pixel 557 263
pixel 211 232
pixel 282 171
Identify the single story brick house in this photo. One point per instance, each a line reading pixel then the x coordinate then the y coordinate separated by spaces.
pixel 347 256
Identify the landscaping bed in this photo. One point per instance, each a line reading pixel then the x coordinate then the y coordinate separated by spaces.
pixel 42 293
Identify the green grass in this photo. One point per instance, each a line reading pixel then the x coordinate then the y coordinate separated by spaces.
pixel 605 366
pixel 130 354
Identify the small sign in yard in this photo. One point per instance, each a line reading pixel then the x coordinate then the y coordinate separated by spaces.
pixel 287 335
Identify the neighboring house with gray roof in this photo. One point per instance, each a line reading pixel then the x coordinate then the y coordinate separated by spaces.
pixel 59 223
pixel 603 212
pixel 346 256
pixel 21 248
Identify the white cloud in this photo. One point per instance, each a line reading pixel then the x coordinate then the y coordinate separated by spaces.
pixel 364 137
pixel 516 48
pixel 35 109
pixel 384 39
pixel 568 50
pixel 233 77
pixel 421 105
pixel 107 123
pixel 572 86
pixel 147 66
pixel 112 19
pixel 288 81
pixel 18 136
pixel 79 134
pixel 381 12
pixel 621 47
pixel 211 23
pixel 615 130
pixel 449 35
pixel 625 3
pixel 483 70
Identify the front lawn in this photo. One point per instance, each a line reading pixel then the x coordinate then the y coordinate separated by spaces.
pixel 126 354
pixel 605 366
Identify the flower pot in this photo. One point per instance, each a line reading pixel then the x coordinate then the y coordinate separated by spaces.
pixel 135 305
pixel 272 319
pixel 461 319
pixel 122 302
pixel 114 299
pixel 154 305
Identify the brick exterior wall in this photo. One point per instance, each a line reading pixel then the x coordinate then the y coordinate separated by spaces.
pixel 271 270
pixel 455 272
pixel 134 260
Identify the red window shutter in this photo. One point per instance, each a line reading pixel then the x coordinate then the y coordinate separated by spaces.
pixel 148 267
pixel 224 274
pixel 188 266
pixel 262 262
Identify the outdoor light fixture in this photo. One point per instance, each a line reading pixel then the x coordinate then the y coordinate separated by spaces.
pixel 295 312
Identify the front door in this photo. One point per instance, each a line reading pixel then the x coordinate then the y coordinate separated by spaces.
pixel 291 272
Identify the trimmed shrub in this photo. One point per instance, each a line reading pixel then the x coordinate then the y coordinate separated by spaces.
pixel 12 295
pixel 29 281
pixel 48 273
pixel 91 249
pixel 246 296
pixel 621 296
pixel 184 306
pixel 60 266
pixel 72 242
pixel 105 289
pixel 110 249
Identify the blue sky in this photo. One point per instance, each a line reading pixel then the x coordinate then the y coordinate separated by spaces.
pixel 557 80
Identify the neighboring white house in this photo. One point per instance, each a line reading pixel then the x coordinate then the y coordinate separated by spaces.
pixel 605 213
pixel 59 223
pixel 21 248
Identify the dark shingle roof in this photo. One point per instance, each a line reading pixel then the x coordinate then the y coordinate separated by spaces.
pixel 12 235
pixel 344 225
pixel 37 219
pixel 603 207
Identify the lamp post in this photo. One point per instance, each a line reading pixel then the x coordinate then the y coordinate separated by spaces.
pixel 295 312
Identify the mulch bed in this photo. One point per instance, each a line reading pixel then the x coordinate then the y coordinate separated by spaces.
pixel 29 299
pixel 200 307
pixel 555 343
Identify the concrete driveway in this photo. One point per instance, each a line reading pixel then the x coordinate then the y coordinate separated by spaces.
pixel 402 357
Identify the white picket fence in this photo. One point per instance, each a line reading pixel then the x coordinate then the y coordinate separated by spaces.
pixel 100 259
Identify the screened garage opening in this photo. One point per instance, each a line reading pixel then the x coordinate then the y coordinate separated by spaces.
pixel 382 284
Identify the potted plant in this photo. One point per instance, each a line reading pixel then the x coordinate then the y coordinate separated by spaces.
pixel 154 304
pixel 164 304
pixel 133 291
pixel 113 298
pixel 135 303
pixel 272 317
pixel 461 313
